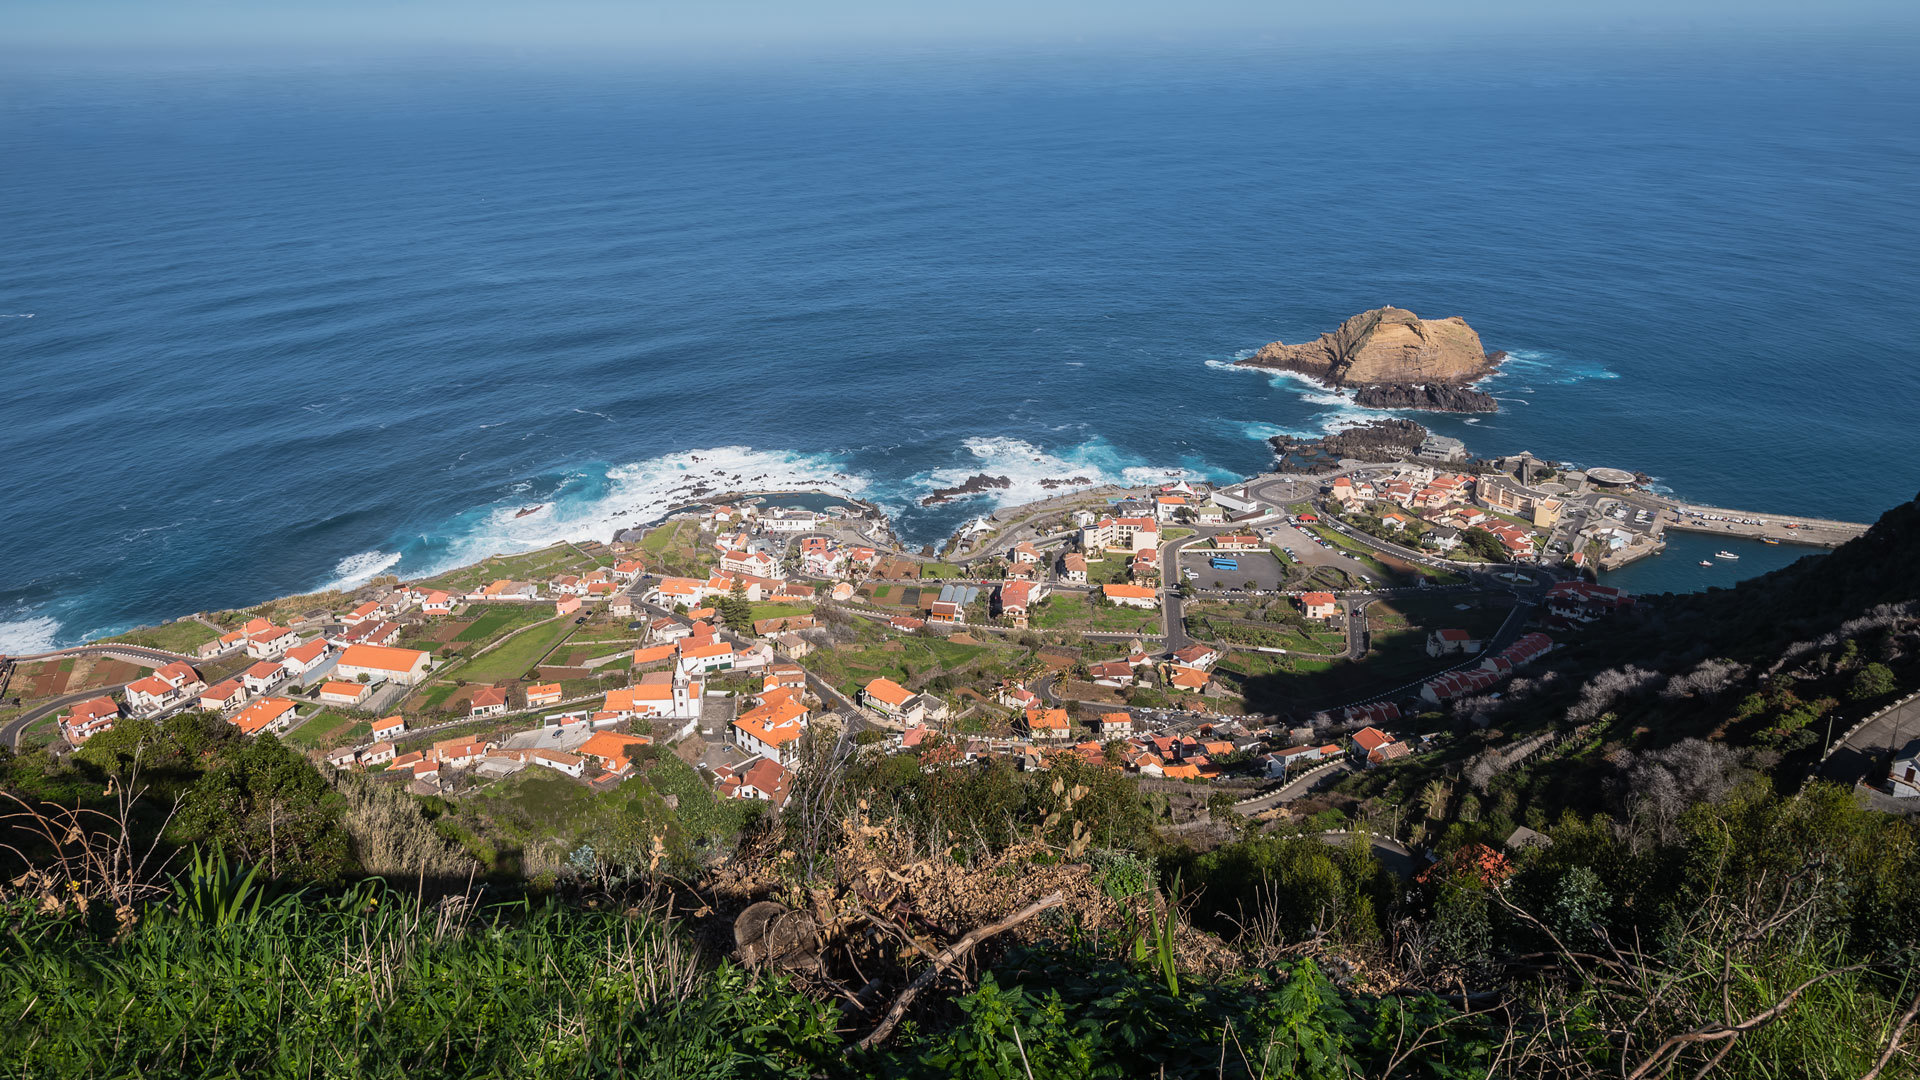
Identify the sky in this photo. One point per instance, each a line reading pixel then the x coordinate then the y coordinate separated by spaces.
pixel 750 27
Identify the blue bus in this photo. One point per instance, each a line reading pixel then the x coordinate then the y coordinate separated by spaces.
pixel 1224 564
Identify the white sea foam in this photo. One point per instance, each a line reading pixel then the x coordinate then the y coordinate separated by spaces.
pixel 1546 368
pixel 356 570
pixel 596 504
pixel 34 634
pixel 1095 462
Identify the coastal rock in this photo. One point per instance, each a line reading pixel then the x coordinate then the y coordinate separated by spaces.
pixel 1438 397
pixel 1378 440
pixel 1053 482
pixel 1387 345
pixel 972 485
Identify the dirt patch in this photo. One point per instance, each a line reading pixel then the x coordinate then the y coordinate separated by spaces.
pixel 103 672
pixel 447 631
pixel 39 680
pixel 1075 690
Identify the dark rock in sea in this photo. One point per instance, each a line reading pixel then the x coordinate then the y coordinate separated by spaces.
pixel 1379 440
pixel 1052 482
pixel 972 485
pixel 1435 396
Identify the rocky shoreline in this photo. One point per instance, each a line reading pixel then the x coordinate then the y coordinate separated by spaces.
pixel 980 482
pixel 1378 440
pixel 972 485
pixel 1433 397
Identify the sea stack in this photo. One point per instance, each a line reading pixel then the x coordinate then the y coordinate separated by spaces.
pixel 1394 359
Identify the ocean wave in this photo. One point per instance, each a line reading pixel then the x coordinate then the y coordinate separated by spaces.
pixel 1547 368
pixel 1025 466
pixel 34 634
pixel 356 570
pixel 596 502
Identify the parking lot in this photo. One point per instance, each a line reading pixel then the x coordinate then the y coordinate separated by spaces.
pixel 1259 568
pixel 1307 550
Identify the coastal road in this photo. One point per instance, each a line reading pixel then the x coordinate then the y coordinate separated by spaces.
pixel 11 733
pixel 1854 757
pixel 1295 788
pixel 15 728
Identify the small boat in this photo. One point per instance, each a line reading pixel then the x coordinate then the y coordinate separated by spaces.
pixel 1725 555
pixel 1768 540
pixel 1706 562
pixel 525 510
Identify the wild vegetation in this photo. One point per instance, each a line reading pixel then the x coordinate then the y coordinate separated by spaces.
pixel 1682 900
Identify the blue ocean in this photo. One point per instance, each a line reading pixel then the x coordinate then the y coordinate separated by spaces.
pixel 270 328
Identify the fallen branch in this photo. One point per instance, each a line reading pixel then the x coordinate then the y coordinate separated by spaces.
pixel 1715 1032
pixel 946 959
pixel 1893 1041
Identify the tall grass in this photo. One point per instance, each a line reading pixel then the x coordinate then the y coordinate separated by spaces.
pixel 226 981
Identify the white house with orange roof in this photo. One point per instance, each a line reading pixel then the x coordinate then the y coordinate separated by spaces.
pixel 883 695
pixel 1073 568
pixel 368 610
pixel 266 714
pixel 1319 605
pixel 306 657
pixel 344 694
pixel 437 602
pixel 168 685
pixel 1138 596
pixel 543 695
pixel 610 749
pixel 701 655
pixel 224 695
pixel 1169 507
pixel 270 641
pixel 263 676
pixel 488 701
pixel 382 663
pixel 658 696
pixel 754 563
pixel 89 718
pixel 772 730
pixel 629 569
pixel 755 778
pixel 389 727
pixel 1016 599
pixel 1050 725
pixel 559 761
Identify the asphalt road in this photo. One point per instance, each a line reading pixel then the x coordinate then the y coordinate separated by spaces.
pixel 1854 757
pixel 10 733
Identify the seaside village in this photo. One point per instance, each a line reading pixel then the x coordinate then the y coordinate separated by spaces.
pixel 739 637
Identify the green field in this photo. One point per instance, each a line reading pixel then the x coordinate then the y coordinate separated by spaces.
pixel 512 658
pixel 531 566
pixel 1398 654
pixel 849 669
pixel 676 534
pixel 181 637
pixel 941 570
pixel 321 729
pixel 779 611
pixel 497 620
pixel 1073 611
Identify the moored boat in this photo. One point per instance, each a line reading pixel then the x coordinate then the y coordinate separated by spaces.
pixel 1725 555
